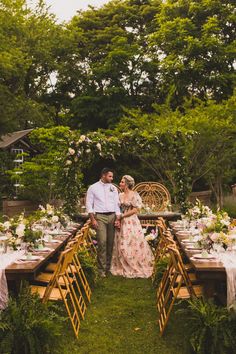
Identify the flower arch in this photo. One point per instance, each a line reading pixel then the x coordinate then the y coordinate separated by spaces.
pixel 84 149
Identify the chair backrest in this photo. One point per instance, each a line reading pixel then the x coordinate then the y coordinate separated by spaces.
pixel 61 267
pixel 179 267
pixel 154 194
pixel 165 240
pixel 84 231
pixel 76 243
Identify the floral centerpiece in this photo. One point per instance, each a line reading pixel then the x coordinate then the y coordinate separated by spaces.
pixel 198 211
pixel 216 229
pixel 32 237
pixel 50 216
pixel 14 230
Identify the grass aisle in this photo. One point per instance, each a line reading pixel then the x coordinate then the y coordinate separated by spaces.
pixel 121 319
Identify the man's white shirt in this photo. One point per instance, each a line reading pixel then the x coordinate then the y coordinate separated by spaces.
pixel 103 198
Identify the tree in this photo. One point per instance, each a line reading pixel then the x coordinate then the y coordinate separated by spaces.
pixel 107 63
pixel 40 176
pixel 29 42
pixel 184 148
pixel 196 40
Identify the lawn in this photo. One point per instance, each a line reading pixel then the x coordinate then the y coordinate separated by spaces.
pixel 122 318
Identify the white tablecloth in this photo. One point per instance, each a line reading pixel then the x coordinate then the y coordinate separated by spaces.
pixel 229 261
pixel 5 261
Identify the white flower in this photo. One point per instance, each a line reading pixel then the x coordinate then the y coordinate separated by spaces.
pixel 209 224
pixel 82 138
pixel 225 222
pixel 42 208
pixel 49 209
pixel 99 146
pixel 214 237
pixel 68 162
pixel 20 230
pixel 150 237
pixel 88 151
pixel 71 151
pixel 55 218
pixel 43 220
pixel 6 225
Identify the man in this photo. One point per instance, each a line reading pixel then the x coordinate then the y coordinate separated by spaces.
pixel 102 204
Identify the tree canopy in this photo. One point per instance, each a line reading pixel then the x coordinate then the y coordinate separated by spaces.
pixel 151 81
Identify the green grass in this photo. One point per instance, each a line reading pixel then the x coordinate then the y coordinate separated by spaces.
pixel 122 319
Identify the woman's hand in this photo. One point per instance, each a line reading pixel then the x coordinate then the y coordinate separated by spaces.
pixel 117 224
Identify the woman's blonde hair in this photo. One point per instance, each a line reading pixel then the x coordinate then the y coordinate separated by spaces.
pixel 129 181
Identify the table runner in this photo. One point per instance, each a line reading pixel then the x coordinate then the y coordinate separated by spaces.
pixel 5 261
pixel 229 261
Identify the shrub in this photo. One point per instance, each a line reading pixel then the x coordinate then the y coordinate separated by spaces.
pixel 158 270
pixel 89 265
pixel 212 328
pixel 27 326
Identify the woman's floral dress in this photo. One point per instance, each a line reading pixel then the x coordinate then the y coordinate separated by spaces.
pixel 132 256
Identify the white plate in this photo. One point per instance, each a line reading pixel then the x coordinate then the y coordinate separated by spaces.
pixel 32 258
pixel 53 241
pixel 199 256
pixel 186 240
pixel 53 232
pixel 44 249
pixel 3 238
pixel 192 248
pixel 184 231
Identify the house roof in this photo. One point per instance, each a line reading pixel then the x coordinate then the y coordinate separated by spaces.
pixel 11 138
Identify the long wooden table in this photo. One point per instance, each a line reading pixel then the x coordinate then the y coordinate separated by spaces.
pixel 210 272
pixel 168 215
pixel 28 270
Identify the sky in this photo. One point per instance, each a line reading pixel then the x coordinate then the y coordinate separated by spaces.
pixel 65 9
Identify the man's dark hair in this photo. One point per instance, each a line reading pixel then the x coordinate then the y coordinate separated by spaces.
pixel 106 170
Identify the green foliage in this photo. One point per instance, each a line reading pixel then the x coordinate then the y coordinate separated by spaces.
pixel 29 327
pixel 89 265
pixel 197 42
pixel 212 328
pixel 126 54
pixel 120 71
pixel 158 270
pixel 41 176
pixel 31 236
pixel 180 148
pixel 6 163
pixel 29 42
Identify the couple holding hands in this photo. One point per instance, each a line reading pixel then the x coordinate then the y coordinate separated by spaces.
pixel 122 248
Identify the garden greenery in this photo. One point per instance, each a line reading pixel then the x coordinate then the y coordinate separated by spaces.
pixel 27 326
pixel 89 265
pixel 212 328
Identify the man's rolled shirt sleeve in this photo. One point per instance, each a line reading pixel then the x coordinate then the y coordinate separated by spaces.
pixel 117 204
pixel 90 201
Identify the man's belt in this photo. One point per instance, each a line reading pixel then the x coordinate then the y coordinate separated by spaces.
pixel 109 213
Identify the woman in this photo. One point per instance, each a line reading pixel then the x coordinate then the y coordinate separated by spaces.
pixel 132 256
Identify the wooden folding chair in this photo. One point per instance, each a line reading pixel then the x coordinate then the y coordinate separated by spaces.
pixel 46 277
pixel 175 284
pixel 59 289
pixel 75 267
pixel 162 239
